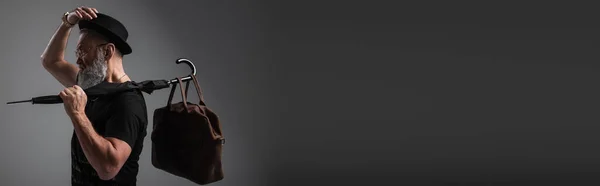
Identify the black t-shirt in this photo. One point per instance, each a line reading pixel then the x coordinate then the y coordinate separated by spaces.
pixel 123 116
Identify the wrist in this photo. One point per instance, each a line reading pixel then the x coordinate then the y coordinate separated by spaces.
pixel 65 21
pixel 66 25
pixel 76 115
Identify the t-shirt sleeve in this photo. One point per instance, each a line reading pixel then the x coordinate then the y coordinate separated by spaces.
pixel 124 122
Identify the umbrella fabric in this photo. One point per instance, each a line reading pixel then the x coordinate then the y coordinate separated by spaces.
pixel 105 88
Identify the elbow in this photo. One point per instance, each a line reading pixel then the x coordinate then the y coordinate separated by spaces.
pixel 45 61
pixel 48 61
pixel 44 58
pixel 105 177
pixel 108 172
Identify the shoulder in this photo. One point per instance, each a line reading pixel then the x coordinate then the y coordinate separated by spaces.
pixel 129 96
pixel 130 102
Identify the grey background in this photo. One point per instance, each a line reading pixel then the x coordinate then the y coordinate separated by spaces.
pixel 340 93
pixel 223 39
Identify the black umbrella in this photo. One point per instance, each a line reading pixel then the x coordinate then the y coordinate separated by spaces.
pixel 106 88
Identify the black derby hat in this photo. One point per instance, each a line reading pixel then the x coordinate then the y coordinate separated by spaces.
pixel 110 28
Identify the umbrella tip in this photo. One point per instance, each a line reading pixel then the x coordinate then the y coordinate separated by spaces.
pixel 13 102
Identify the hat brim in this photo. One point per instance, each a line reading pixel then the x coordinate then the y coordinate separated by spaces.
pixel 122 45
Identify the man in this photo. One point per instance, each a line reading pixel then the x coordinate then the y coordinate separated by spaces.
pixel 109 130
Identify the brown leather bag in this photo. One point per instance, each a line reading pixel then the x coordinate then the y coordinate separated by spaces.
pixel 187 139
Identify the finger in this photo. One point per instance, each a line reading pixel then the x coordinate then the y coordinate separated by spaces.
pixel 74 90
pixel 62 94
pixel 77 89
pixel 68 91
pixel 84 13
pixel 90 12
pixel 87 15
pixel 78 14
pixel 79 9
pixel 95 10
pixel 65 92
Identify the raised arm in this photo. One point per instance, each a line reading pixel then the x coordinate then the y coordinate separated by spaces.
pixel 53 58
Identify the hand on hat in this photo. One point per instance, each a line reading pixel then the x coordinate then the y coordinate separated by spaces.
pixel 82 12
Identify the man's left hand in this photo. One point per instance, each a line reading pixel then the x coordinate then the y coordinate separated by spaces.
pixel 74 100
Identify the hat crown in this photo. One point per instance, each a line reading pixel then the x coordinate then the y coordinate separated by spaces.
pixel 111 28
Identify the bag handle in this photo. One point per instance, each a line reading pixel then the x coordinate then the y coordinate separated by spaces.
pixel 187 86
pixel 198 90
pixel 183 95
pixel 213 133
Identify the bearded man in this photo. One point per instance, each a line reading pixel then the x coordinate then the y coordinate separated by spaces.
pixel 108 131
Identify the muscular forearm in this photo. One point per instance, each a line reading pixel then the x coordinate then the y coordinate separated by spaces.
pixel 56 47
pixel 99 151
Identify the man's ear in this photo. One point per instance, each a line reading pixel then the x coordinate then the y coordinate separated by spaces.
pixel 110 51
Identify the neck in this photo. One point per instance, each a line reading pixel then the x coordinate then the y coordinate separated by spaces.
pixel 115 73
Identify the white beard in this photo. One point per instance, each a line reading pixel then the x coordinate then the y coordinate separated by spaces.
pixel 94 74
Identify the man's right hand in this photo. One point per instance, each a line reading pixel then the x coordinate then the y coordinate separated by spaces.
pixel 81 12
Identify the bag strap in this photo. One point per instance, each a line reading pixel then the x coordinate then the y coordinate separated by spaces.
pixel 183 95
pixel 198 90
pixel 213 132
pixel 187 86
pixel 171 95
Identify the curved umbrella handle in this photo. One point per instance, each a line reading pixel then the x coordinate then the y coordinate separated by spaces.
pixel 189 63
pixel 186 78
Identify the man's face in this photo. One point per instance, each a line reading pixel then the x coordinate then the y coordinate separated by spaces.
pixel 91 61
